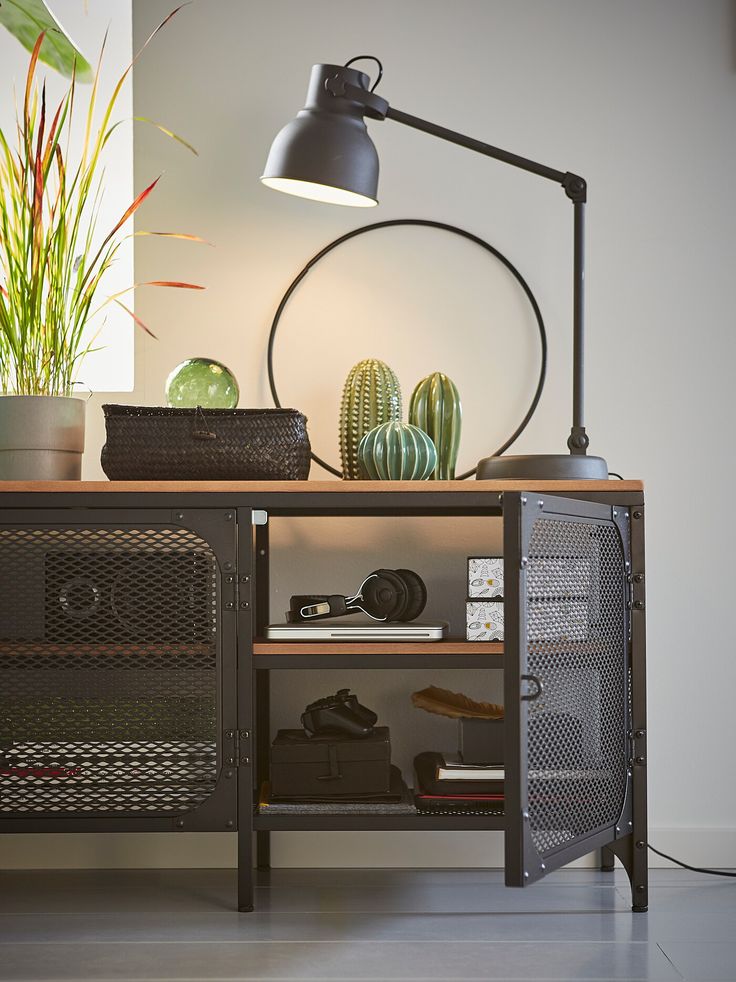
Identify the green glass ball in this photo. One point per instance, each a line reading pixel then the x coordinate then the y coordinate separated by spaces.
pixel 202 382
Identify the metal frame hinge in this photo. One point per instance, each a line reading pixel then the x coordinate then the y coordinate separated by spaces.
pixel 237 748
pixel 230 588
pixel 236 589
pixel 230 748
pixel 638 591
pixel 629 589
pixel 243 592
pixel 637 740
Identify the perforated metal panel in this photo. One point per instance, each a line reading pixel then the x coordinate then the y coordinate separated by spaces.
pixel 576 649
pixel 109 671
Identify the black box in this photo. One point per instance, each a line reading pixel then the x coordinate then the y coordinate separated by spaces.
pixel 481 741
pixel 330 766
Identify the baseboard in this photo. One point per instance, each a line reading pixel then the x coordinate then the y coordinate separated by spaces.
pixel 116 850
pixel 187 850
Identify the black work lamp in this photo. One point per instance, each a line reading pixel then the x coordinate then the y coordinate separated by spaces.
pixel 326 153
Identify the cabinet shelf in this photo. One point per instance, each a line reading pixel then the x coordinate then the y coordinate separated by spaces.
pixel 377 654
pixel 376 823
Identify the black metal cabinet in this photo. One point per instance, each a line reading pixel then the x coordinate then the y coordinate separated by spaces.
pixel 134 689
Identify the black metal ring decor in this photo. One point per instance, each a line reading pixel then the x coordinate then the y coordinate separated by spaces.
pixel 455 231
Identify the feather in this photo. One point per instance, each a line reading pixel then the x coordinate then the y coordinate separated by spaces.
pixel 442 702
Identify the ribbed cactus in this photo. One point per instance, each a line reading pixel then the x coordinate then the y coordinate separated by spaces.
pixel 371 396
pixel 397 452
pixel 435 408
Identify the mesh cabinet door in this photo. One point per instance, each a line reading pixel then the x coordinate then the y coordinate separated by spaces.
pixel 112 651
pixel 566 680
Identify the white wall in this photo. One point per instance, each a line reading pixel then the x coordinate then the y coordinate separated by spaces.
pixel 636 96
pixel 111 366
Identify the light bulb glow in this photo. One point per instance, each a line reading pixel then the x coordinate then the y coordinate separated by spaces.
pixel 319 192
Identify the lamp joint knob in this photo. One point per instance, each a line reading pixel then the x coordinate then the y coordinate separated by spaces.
pixel 578 440
pixel 575 187
pixel 370 104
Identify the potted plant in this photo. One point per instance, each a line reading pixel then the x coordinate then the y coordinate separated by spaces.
pixel 53 261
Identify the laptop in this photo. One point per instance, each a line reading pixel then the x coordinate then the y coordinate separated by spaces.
pixel 368 631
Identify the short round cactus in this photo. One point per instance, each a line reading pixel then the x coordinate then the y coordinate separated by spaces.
pixel 371 396
pixel 435 408
pixel 397 452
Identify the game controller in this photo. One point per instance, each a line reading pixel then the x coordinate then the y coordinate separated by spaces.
pixel 339 713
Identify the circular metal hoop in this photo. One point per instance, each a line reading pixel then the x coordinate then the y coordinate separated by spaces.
pixel 446 228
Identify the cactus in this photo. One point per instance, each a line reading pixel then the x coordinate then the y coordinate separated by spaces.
pixel 435 408
pixel 397 451
pixel 371 396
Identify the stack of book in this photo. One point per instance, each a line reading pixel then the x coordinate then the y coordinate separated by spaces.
pixel 444 785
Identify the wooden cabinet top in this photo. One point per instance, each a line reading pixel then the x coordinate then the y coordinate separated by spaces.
pixel 296 487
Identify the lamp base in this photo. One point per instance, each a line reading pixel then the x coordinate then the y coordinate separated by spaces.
pixel 543 467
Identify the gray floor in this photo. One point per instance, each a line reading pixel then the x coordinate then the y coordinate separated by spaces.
pixel 359 924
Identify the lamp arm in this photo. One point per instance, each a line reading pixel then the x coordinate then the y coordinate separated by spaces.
pixel 576 190
pixel 376 107
pixel 477 145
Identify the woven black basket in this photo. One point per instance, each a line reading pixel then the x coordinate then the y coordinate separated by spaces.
pixel 157 443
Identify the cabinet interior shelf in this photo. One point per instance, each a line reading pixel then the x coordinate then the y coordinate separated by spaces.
pixel 448 647
pixel 386 823
pixel 377 654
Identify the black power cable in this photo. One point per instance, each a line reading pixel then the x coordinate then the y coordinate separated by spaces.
pixel 694 869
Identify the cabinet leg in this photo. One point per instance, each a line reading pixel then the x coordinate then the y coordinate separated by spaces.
pixel 263 760
pixel 638 870
pixel 607 860
pixel 633 854
pixel 640 881
pixel 245 867
pixel 263 850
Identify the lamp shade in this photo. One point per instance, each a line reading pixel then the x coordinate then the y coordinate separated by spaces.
pixel 326 153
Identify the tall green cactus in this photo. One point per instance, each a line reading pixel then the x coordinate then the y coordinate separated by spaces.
pixel 435 408
pixel 371 396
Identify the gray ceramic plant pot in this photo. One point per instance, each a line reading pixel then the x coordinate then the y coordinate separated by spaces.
pixel 41 438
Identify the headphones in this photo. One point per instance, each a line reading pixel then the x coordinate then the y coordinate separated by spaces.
pixel 384 595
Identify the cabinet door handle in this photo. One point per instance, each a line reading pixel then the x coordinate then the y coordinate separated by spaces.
pixel 531 696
